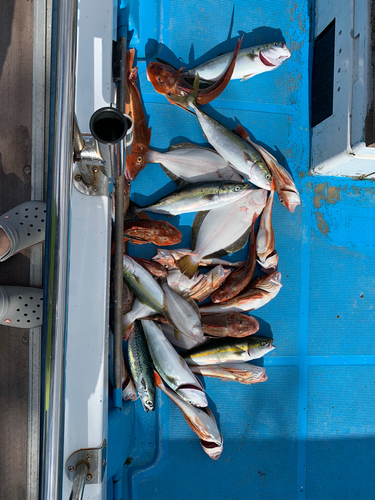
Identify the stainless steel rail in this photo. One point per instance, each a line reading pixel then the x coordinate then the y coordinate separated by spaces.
pixel 57 237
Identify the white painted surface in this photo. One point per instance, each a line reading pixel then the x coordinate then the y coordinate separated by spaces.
pixel 338 146
pixel 86 386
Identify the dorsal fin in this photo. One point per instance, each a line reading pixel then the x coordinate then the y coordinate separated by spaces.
pixel 199 218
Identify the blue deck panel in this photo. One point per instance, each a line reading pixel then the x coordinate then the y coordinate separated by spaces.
pixel 308 432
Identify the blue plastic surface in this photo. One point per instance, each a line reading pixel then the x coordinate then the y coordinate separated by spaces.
pixel 308 432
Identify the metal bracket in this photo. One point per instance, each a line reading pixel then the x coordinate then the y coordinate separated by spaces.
pixel 100 185
pixel 94 458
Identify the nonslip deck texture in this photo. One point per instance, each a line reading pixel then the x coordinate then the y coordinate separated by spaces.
pixel 308 432
pixel 16 64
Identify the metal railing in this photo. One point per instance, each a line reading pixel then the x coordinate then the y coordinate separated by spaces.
pixel 57 238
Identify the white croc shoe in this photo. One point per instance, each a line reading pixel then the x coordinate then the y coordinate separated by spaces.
pixel 24 225
pixel 21 306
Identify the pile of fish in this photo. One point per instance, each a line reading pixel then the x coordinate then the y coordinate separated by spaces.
pixel 170 338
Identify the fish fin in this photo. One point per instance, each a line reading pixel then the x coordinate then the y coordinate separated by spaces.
pixel 188 265
pixel 176 333
pixel 126 239
pixel 167 63
pixel 139 242
pixel 247 158
pixel 187 145
pixel 242 132
pixel 199 218
pixel 158 380
pixel 246 77
pixel 181 183
pixel 130 54
pixel 273 184
pixel 235 131
pixel 142 215
pixel 195 87
pixel 208 197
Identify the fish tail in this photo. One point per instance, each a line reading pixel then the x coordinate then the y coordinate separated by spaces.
pixel 130 54
pixel 127 327
pixel 189 264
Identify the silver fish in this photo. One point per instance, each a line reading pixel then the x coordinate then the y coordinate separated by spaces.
pixel 128 388
pixel 244 373
pixel 172 367
pixel 229 350
pixel 182 314
pixel 138 311
pixel 222 231
pixel 141 367
pixel 250 62
pixel 265 241
pixel 201 196
pixel 190 163
pixel 142 283
pixel 178 339
pixel 238 152
pixel 201 421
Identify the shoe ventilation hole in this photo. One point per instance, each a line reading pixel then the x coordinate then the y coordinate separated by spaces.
pixel 28 234
pixel 25 314
pixel 18 310
pixel 35 216
pixel 33 311
pixel 39 230
pixel 36 208
pixel 42 220
pixel 17 213
pixel 38 305
pixel 18 320
pixel 26 209
pixel 31 225
pixel 26 216
pixel 37 317
pixel 20 296
pixel 21 223
pixel 31 298
pixel 41 298
pixel 28 321
pixel 44 211
pixel 26 305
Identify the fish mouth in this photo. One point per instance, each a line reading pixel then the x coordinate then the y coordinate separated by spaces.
pixel 266 61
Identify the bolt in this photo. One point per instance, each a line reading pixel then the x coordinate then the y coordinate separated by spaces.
pixel 27 170
pixel 71 468
pixel 78 177
pixel 89 477
pixel 95 170
pixel 25 339
pixel 95 188
pixel 88 456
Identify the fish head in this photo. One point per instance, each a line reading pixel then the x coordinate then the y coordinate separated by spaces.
pixel 260 175
pixel 148 405
pixel 240 324
pixel 274 54
pixel 136 161
pixel 162 76
pixel 213 449
pixel 227 189
pixel 259 346
pixel 289 198
pixel 194 394
pixel 166 234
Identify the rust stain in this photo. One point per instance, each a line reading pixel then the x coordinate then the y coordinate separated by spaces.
pixel 322 225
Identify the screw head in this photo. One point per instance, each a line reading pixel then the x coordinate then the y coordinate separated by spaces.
pixel 27 170
pixel 95 188
pixel 95 170
pixel 88 456
pixel 78 177
pixel 89 477
pixel 25 339
pixel 71 468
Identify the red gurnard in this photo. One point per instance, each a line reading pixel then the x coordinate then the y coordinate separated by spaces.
pixel 167 80
pixel 159 232
pixel 284 184
pixel 136 161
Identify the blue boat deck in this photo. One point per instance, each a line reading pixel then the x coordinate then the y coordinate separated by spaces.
pixel 308 432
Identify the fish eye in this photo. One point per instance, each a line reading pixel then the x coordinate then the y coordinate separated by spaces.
pixel 139 159
pixel 263 343
pixel 165 237
pixel 237 188
pixel 276 44
pixel 159 79
pixel 268 177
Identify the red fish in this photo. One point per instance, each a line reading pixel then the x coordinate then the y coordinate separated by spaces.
pixel 136 161
pixel 284 184
pixel 159 232
pixel 152 267
pixel 265 244
pixel 240 278
pixel 167 80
